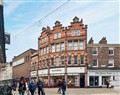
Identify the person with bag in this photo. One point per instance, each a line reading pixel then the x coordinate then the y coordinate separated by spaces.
pixel 22 86
pixel 32 87
pixel 40 87
pixel 63 85
pixel 59 86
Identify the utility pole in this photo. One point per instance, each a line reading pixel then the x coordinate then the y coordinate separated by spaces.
pixel 2 35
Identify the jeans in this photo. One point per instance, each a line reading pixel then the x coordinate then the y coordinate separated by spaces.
pixel 40 90
pixel 63 92
pixel 21 92
pixel 32 92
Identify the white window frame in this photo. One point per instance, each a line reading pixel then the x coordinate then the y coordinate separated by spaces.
pixel 57 61
pixel 111 61
pixel 81 45
pixel 53 48
pixel 96 50
pixel 55 36
pixel 57 47
pixel 112 50
pixel 75 45
pixel 78 32
pixel 97 62
pixel 62 47
pixel 59 35
pixel 69 45
pixel 73 32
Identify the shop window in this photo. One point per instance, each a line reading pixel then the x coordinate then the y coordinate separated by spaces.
pixel 82 60
pixel 70 46
pixel 95 50
pixel 57 61
pixel 75 60
pixel 111 51
pixel 75 45
pixel 81 45
pixel 62 59
pixel 69 59
pixel 111 63
pixel 95 63
pixel 57 47
pixel 94 80
pixel 52 61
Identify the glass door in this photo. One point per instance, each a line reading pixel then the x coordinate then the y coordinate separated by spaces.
pixel 94 81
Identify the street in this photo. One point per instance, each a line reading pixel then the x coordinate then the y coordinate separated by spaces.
pixel 81 91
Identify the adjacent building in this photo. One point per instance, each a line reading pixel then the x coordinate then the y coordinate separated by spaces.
pixel 62 53
pixel 6 72
pixel 22 64
pixel 103 63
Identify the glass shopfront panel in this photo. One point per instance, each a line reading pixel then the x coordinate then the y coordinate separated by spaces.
pixel 94 80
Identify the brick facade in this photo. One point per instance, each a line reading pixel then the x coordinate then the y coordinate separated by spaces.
pixel 23 69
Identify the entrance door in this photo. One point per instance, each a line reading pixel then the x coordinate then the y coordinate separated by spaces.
pixel 94 81
pixel 82 80
pixel 104 79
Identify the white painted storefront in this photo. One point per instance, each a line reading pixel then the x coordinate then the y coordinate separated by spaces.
pixel 98 78
pixel 73 74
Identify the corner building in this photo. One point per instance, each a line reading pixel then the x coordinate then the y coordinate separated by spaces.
pixel 62 54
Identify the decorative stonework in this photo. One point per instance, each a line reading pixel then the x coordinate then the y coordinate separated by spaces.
pixel 57 23
pixel 76 19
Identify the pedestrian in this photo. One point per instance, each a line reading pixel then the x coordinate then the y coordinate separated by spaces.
pixel 40 87
pixel 32 87
pixel 59 86
pixel 110 84
pixel 107 83
pixel 22 86
pixel 63 85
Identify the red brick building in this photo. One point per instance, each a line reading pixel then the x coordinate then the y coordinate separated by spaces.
pixel 22 64
pixel 62 54
pixel 103 63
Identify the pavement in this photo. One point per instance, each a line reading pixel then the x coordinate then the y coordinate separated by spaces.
pixel 80 91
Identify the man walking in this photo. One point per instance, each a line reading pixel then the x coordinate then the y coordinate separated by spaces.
pixel 63 85
pixel 40 87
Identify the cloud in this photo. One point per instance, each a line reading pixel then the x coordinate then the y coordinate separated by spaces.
pixel 11 6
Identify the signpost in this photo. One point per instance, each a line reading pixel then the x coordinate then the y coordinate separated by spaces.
pixel 2 35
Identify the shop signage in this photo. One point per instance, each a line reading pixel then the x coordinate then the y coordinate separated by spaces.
pixel 76 70
pixel 43 72
pixel 57 70
pixel 33 73
pixel 104 73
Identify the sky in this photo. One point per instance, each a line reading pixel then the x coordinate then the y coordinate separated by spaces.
pixel 24 20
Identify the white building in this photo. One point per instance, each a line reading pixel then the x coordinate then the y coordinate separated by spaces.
pixel 98 78
pixel 6 72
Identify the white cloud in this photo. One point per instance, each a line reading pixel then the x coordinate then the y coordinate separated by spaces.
pixel 11 6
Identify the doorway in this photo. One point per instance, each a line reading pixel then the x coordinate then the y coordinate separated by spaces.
pixel 94 81
pixel 82 80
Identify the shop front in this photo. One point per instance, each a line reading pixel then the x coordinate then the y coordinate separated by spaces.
pixel 98 78
pixel 75 76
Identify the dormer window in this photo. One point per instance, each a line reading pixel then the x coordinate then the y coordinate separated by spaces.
pixel 59 35
pixel 75 33
pixel 55 36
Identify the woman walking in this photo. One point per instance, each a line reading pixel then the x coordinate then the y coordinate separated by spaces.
pixel 22 86
pixel 32 87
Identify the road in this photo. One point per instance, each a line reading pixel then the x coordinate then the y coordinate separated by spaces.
pixel 81 91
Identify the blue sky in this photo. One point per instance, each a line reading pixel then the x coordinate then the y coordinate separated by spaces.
pixel 102 18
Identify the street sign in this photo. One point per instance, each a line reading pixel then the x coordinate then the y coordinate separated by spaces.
pixel 7 38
